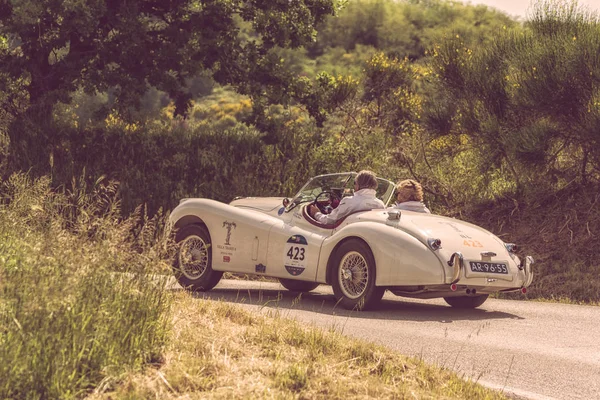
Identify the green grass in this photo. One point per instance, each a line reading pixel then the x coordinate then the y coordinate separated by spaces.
pixel 68 319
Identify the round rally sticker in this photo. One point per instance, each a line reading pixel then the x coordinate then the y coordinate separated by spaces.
pixel 295 255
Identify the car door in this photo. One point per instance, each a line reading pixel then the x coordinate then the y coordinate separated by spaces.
pixel 295 246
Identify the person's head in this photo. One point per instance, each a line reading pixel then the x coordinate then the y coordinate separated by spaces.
pixel 409 190
pixel 365 180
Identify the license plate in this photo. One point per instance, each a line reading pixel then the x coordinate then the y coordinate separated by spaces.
pixel 488 267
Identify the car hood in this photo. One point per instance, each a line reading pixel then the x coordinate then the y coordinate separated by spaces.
pixel 455 235
pixel 265 204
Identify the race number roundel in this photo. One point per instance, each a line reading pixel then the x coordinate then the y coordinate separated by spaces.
pixel 295 255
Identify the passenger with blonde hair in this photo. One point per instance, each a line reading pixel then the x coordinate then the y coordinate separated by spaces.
pixel 364 198
pixel 409 196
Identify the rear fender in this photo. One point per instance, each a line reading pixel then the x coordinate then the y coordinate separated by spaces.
pixel 400 258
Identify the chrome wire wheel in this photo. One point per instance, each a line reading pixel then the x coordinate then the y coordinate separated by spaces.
pixel 193 257
pixel 353 275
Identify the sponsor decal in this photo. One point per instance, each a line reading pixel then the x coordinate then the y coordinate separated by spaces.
pixel 260 268
pixel 228 225
pixel 295 255
pixel 298 239
pixel 227 249
pixel 453 226
pixel 280 211
pixel 294 271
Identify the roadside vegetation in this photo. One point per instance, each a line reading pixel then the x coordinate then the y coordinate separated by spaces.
pixel 77 301
pixel 220 351
pixel 499 119
pixel 85 312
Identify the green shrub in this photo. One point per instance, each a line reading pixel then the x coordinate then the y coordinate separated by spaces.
pixel 67 318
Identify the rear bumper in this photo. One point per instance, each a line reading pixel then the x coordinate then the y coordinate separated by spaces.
pixel 528 270
pixel 458 275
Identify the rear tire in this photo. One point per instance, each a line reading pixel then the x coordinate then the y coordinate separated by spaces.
pixel 353 279
pixel 193 262
pixel 298 286
pixel 466 301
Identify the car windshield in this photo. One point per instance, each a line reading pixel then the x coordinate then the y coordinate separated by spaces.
pixel 341 185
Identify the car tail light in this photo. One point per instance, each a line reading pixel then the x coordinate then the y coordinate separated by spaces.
pixel 434 244
pixel 524 290
pixel 453 287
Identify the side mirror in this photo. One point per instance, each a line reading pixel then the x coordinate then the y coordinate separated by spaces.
pixel 286 202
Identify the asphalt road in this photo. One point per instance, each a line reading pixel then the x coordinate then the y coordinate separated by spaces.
pixel 527 349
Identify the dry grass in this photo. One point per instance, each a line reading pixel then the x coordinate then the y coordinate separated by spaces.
pixel 220 351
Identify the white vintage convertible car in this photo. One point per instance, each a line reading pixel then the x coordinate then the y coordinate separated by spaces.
pixel 362 255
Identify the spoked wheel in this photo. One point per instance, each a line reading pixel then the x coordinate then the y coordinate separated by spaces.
pixel 297 286
pixel 193 262
pixel 354 276
pixel 466 301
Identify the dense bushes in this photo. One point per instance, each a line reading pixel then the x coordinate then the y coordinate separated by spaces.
pixel 213 153
pixel 159 165
pixel 528 103
pixel 67 318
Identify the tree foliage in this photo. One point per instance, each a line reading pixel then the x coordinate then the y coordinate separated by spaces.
pixel 407 28
pixel 529 101
pixel 60 46
pixel 52 48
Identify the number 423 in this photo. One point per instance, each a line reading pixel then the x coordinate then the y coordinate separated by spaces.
pixel 472 243
pixel 296 253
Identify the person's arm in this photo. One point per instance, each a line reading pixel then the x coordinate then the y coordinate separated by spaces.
pixel 340 212
pixel 376 204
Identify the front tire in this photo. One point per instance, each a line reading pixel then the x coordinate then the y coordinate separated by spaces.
pixel 298 286
pixel 354 276
pixel 466 301
pixel 193 262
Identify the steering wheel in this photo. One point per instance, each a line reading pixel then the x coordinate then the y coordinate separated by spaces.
pixel 331 198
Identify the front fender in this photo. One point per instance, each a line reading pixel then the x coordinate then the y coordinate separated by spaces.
pixel 400 258
pixel 239 236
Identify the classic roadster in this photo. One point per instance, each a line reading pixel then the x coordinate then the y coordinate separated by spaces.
pixel 361 256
